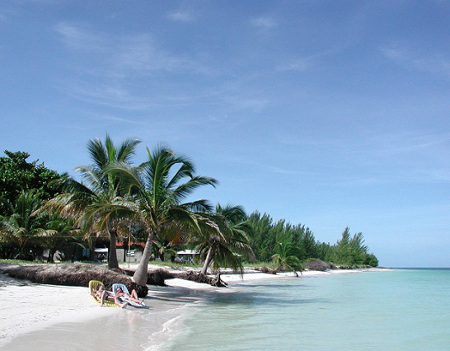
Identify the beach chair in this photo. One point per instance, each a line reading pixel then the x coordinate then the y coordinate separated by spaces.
pixel 93 286
pixel 125 299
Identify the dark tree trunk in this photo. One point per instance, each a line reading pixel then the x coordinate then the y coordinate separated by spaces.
pixel 112 253
pixel 21 252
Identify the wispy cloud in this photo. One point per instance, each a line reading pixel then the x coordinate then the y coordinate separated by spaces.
pixel 299 65
pixel 265 167
pixel 140 54
pixel 303 63
pixel 136 52
pixel 410 156
pixel 75 37
pixel 181 16
pixel 115 62
pixel 263 22
pixel 434 63
pixel 109 95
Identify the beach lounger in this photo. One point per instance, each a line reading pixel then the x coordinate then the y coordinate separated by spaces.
pixel 124 299
pixel 93 285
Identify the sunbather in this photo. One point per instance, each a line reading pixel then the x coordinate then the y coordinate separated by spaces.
pixel 124 296
pixel 102 294
pixel 99 291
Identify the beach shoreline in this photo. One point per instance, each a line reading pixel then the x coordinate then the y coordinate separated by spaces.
pixel 28 307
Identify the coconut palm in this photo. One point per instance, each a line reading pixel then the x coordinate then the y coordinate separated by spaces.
pixel 157 189
pixel 97 205
pixel 58 232
pixel 224 238
pixel 285 258
pixel 22 226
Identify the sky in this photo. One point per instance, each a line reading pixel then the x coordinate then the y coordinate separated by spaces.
pixel 329 114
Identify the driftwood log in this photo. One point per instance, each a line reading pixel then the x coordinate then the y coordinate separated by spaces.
pixel 158 276
pixel 72 275
pixel 77 274
pixel 201 278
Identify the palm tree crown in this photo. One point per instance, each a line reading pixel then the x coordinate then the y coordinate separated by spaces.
pixel 156 190
pixel 224 238
pixel 97 205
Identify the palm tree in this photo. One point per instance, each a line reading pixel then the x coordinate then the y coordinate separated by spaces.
pixel 156 190
pixel 58 232
pixel 224 238
pixel 285 258
pixel 22 226
pixel 96 205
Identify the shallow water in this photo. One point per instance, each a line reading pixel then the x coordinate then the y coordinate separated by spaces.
pixel 391 310
pixel 395 310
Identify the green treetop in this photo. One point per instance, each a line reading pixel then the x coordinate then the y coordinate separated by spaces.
pixel 17 175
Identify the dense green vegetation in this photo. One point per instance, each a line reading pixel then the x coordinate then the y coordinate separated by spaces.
pixel 297 241
pixel 41 209
pixel 18 175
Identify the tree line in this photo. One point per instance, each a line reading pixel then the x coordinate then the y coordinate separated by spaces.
pixel 40 208
pixel 281 238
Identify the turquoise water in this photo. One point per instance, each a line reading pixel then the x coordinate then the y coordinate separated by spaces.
pixel 388 310
pixel 393 310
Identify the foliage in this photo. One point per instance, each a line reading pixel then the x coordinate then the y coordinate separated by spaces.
pixel 17 175
pixel 147 202
pixel 161 249
pixel 286 257
pixel 21 226
pixel 348 251
pixel 265 234
pixel 155 191
pixel 59 232
pixel 98 205
pixel 224 238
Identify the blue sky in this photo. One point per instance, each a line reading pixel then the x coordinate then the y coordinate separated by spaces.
pixel 324 113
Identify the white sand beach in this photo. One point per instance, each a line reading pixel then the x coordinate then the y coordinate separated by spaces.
pixel 27 307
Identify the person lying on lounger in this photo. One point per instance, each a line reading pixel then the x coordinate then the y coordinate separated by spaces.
pixel 102 294
pixel 121 295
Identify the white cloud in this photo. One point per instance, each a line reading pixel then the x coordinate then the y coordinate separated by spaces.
pixel 109 95
pixel 108 64
pixel 181 16
pixel 434 63
pixel 299 65
pixel 124 54
pixel 303 63
pixel 76 38
pixel 263 22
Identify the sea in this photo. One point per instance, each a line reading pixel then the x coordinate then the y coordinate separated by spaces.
pixel 396 309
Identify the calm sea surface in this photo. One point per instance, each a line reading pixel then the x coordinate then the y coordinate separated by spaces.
pixel 402 309
pixel 393 310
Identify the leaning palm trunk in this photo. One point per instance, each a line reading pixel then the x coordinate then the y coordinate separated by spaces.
pixel 208 259
pixel 141 274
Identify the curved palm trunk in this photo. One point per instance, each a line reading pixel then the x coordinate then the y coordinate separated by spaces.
pixel 112 253
pixel 141 274
pixel 208 260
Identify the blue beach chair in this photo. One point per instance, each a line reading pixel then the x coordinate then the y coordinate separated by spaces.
pixel 127 295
